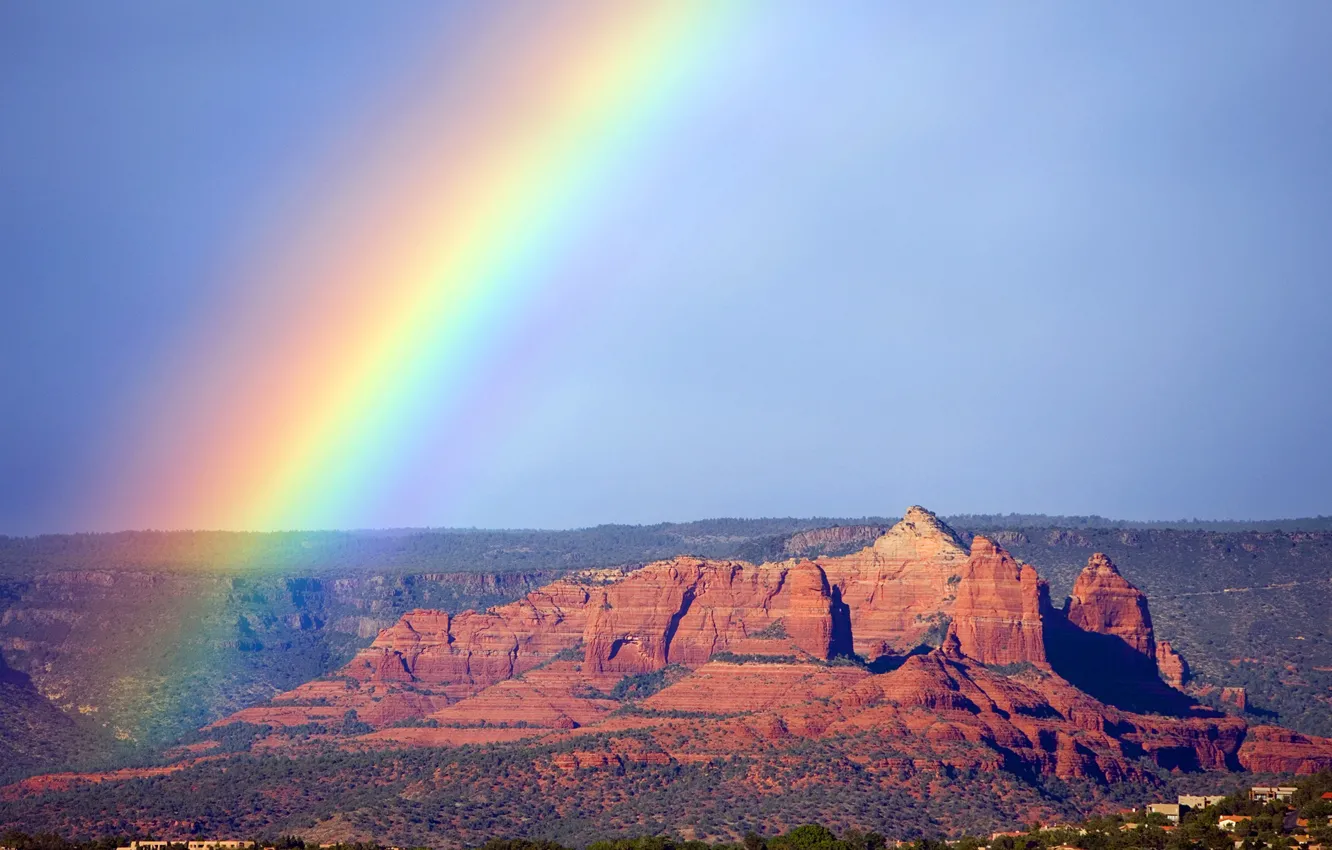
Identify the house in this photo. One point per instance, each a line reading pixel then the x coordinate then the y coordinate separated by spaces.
pixel 1269 793
pixel 219 845
pixel 1328 796
pixel 1200 801
pixel 1229 822
pixel 145 845
pixel 1170 810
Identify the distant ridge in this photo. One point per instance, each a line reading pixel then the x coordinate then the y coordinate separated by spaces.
pixel 1318 523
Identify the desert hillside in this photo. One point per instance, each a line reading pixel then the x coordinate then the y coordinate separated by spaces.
pixel 922 657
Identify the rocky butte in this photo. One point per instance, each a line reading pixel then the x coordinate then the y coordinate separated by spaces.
pixel 951 650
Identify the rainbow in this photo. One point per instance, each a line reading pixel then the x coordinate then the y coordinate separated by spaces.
pixel 372 313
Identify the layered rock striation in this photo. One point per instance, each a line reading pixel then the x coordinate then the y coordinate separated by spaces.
pixel 1104 602
pixel 902 586
pixel 998 617
pixel 683 611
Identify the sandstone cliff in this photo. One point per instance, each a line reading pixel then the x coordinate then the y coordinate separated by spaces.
pixel 900 586
pixel 998 615
pixel 1104 644
pixel 1173 668
pixel 684 611
pixel 1104 602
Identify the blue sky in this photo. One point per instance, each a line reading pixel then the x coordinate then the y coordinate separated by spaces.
pixel 1047 257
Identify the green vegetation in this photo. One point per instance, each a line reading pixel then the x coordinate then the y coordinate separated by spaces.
pixel 1318 523
pixel 776 630
pixel 938 630
pixel 236 737
pixel 1266 827
pixel 415 723
pixel 747 658
pixel 676 713
pixel 643 685
pixel 1015 669
pixel 16 840
pixel 468 795
pixel 572 653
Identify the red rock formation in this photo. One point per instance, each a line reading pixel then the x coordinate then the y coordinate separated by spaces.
pixel 946 707
pixel 897 587
pixel 556 696
pixel 460 655
pixel 1237 697
pixel 1171 665
pixel 1268 749
pixel 997 617
pixel 65 781
pixel 447 736
pixel 1104 602
pixel 672 612
pixel 428 659
pixel 683 611
pixel 726 688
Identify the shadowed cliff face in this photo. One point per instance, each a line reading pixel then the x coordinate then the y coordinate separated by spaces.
pixel 34 732
pixel 1104 644
pixel 1104 602
pixel 1102 666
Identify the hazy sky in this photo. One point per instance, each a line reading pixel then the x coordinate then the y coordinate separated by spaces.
pixel 1042 257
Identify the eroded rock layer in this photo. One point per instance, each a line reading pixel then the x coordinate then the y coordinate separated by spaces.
pixel 683 611
pixel 900 587
pixel 1173 668
pixel 998 614
pixel 1104 602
